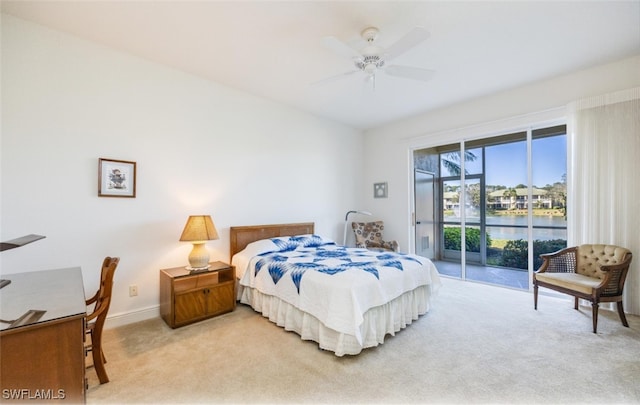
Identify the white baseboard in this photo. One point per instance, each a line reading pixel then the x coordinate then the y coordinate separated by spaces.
pixel 126 318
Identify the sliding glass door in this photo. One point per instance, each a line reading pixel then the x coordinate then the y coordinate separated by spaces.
pixel 500 207
pixel 425 213
pixel 506 208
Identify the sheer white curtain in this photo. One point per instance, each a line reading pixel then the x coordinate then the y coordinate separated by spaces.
pixel 604 178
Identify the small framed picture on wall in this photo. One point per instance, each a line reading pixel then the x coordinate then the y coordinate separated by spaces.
pixel 380 190
pixel 116 178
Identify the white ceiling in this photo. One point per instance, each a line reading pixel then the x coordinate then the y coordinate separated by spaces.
pixel 275 49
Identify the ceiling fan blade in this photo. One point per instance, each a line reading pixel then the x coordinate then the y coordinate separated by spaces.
pixel 411 39
pixel 409 72
pixel 333 78
pixel 340 47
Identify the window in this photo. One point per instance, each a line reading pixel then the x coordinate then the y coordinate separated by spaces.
pixel 507 197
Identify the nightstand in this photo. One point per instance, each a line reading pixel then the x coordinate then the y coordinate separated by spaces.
pixel 187 297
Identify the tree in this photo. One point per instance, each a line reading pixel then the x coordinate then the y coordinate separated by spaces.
pixel 558 193
pixel 451 161
pixel 511 193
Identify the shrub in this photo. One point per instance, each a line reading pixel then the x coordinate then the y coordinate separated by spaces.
pixel 452 239
pixel 514 253
pixel 546 246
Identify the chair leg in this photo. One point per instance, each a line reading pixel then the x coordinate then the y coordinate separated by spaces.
pixel 621 313
pixel 98 363
pixel 575 303
pixel 594 310
pixel 98 357
pixel 535 296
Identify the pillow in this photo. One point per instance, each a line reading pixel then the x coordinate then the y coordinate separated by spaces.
pixel 368 232
pixel 391 245
pixel 241 259
pixel 310 240
pixel 259 247
pixel 283 244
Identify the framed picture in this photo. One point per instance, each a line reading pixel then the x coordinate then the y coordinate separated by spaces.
pixel 380 190
pixel 116 178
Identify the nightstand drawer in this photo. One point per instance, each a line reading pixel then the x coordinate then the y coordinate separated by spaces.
pixel 185 284
pixel 199 281
pixel 207 279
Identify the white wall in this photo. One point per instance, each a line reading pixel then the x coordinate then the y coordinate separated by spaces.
pixel 201 148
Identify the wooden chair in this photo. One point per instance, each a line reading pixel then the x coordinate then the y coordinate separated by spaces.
pixel 592 272
pixel 369 236
pixel 95 320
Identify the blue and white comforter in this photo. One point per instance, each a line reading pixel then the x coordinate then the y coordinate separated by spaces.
pixel 335 284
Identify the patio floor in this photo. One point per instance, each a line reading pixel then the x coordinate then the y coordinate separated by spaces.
pixel 493 275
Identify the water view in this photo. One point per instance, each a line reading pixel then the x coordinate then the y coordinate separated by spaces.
pixel 515 226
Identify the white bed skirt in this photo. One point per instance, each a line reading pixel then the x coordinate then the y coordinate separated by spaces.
pixel 378 321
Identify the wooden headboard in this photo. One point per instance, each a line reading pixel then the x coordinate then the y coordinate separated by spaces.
pixel 241 236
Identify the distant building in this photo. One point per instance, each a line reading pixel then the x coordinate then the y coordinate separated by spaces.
pixel 504 200
pixel 451 200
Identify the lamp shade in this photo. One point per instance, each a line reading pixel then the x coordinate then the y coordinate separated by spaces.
pixel 199 228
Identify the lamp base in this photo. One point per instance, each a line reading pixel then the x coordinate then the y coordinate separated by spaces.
pixel 194 270
pixel 199 256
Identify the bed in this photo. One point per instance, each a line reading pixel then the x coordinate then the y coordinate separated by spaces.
pixel 345 299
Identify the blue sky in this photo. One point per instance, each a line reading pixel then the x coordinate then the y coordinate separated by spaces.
pixel 506 164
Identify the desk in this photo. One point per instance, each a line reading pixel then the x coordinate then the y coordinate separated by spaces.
pixel 42 336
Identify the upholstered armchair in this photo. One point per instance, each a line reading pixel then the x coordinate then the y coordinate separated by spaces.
pixel 592 272
pixel 369 236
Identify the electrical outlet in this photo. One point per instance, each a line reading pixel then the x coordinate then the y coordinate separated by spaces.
pixel 133 290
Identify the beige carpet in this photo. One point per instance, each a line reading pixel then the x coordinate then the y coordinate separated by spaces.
pixel 478 344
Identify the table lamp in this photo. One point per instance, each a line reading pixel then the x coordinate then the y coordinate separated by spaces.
pixel 198 230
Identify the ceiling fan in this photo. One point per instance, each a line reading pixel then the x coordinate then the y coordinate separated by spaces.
pixel 372 58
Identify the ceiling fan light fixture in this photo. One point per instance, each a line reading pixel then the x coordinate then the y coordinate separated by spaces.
pixel 370 64
pixel 370 68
